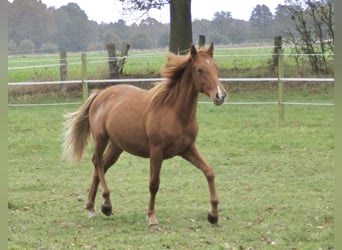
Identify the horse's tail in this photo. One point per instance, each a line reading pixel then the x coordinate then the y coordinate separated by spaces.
pixel 77 131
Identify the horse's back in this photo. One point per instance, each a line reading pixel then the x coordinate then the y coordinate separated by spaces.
pixel 119 113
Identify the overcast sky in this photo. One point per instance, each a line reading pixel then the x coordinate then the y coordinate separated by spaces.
pixel 111 10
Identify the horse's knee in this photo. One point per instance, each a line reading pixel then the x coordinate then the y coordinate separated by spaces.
pixel 214 201
pixel 95 160
pixel 209 174
pixel 106 194
pixel 154 186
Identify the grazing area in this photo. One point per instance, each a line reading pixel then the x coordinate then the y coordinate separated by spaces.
pixel 274 181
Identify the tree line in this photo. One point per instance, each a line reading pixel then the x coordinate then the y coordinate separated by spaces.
pixel 34 28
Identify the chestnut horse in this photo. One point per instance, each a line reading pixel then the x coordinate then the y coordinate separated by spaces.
pixel 158 124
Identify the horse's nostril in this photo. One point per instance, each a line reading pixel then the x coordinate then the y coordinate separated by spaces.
pixel 220 96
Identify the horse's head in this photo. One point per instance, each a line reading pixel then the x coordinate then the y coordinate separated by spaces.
pixel 205 74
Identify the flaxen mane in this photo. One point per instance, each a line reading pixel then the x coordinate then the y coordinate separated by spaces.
pixel 166 92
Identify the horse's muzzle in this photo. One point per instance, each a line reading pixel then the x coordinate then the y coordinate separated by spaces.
pixel 220 96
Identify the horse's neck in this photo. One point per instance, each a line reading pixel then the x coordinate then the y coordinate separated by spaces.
pixel 186 101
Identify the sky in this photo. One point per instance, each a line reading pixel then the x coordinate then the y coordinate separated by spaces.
pixel 111 10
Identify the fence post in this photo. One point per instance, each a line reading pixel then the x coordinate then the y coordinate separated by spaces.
pixel 124 53
pixel 201 41
pixel 63 69
pixel 112 61
pixel 278 44
pixel 281 95
pixel 84 77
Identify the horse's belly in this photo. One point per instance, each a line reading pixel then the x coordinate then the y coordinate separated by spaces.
pixel 177 146
pixel 128 133
pixel 132 143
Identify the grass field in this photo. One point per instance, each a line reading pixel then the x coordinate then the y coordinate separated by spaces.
pixel 275 184
pixel 275 181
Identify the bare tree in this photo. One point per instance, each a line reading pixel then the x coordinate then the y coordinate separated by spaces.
pixel 315 26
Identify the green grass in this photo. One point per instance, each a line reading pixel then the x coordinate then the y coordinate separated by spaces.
pixel 275 185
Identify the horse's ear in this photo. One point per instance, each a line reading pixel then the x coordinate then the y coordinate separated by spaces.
pixel 193 51
pixel 211 49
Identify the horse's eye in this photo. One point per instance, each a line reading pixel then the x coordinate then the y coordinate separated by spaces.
pixel 199 70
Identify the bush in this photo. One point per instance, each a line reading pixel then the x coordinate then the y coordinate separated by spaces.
pixel 12 47
pixel 140 40
pixel 26 47
pixel 49 48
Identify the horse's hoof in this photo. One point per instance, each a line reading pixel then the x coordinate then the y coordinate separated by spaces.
pixel 106 210
pixel 92 215
pixel 152 220
pixel 153 223
pixel 212 219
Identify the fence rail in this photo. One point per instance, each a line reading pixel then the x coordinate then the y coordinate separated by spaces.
pixel 133 80
pixel 148 80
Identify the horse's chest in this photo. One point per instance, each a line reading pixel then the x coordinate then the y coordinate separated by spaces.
pixel 178 140
pixel 170 134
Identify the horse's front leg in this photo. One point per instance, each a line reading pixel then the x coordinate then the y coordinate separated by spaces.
pixel 193 156
pixel 155 166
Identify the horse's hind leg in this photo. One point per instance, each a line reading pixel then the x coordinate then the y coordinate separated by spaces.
pixel 101 166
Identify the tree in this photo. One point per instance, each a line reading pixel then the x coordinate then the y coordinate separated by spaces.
pixel 153 28
pixel 111 37
pixel 74 29
pixel 223 23
pixel 164 40
pixel 12 47
pixel 236 35
pixel 141 40
pixel 217 37
pixel 180 26
pixel 261 21
pixel 30 19
pixel 26 46
pixel 322 15
pixel 49 48
pixel 315 26
pixel 180 20
pixel 282 21
pixel 121 29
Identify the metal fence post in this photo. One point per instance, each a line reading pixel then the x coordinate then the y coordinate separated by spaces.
pixel 84 77
pixel 281 94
